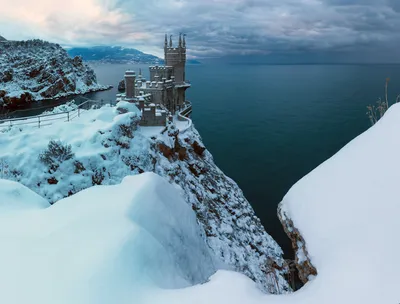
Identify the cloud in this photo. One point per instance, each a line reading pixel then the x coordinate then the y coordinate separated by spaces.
pixel 214 27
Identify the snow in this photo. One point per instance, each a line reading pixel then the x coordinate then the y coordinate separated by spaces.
pixel 106 244
pixel 139 241
pixel 107 145
pixel 348 211
pixel 16 196
pixel 67 107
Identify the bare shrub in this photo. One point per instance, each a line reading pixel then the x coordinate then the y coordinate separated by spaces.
pixel 56 154
pixel 375 113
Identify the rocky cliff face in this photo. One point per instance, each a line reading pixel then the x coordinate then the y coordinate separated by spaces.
pixel 302 260
pixel 113 146
pixel 35 70
pixel 232 229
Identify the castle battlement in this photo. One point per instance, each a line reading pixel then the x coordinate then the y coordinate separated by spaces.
pixel 160 68
pixel 165 90
pixel 176 49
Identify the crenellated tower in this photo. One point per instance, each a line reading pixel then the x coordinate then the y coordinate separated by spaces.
pixel 176 57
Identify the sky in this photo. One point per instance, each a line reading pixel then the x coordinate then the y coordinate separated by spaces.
pixel 359 28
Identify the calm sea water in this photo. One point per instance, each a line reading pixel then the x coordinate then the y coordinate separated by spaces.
pixel 269 125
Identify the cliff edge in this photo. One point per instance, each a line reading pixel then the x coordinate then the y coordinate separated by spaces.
pixel 343 218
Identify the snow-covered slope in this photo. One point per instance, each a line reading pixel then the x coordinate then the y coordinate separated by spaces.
pixel 107 146
pixel 106 244
pixel 14 196
pixel 36 70
pixel 347 213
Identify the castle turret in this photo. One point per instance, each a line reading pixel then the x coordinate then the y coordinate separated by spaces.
pixel 176 58
pixel 130 78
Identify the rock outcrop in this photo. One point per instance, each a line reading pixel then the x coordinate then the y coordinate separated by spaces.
pixel 35 70
pixel 121 86
pixel 303 263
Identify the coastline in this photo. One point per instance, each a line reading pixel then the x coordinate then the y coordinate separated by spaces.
pixel 4 108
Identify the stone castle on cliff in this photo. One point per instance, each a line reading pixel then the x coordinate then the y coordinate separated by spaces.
pixel 164 93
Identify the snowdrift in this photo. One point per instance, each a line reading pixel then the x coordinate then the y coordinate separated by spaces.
pixel 106 244
pixel 138 242
pixel 347 210
pixel 106 144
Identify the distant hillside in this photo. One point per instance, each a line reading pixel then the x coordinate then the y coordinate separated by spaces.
pixel 113 54
pixel 2 38
pixel 117 54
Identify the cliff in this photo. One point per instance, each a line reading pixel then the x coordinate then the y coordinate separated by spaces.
pixel 343 219
pixel 35 70
pixel 105 145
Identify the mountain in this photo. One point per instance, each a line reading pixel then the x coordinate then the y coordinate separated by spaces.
pixel 36 70
pixel 118 54
pixel 2 39
pixel 106 145
pixel 114 54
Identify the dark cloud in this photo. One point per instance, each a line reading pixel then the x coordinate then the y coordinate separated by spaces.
pixel 231 27
pixel 255 26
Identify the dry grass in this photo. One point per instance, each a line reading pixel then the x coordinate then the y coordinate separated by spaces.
pixel 376 112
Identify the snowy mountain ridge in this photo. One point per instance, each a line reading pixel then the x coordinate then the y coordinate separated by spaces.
pixel 36 70
pixel 105 145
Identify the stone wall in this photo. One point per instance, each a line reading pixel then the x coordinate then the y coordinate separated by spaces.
pixel 151 118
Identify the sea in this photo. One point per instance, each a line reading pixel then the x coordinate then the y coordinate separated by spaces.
pixel 267 126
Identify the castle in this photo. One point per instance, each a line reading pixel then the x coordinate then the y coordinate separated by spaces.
pixel 165 92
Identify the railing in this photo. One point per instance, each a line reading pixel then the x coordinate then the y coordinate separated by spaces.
pixel 183 115
pixel 48 119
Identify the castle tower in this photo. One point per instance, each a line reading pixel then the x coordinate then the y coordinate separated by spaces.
pixel 130 79
pixel 176 57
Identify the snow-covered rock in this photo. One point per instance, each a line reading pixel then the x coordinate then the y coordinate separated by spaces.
pixel 35 70
pixel 107 144
pixel 106 244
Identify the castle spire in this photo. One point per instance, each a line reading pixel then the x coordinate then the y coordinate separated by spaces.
pixel 170 41
pixel 184 40
pixel 180 39
pixel 166 41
